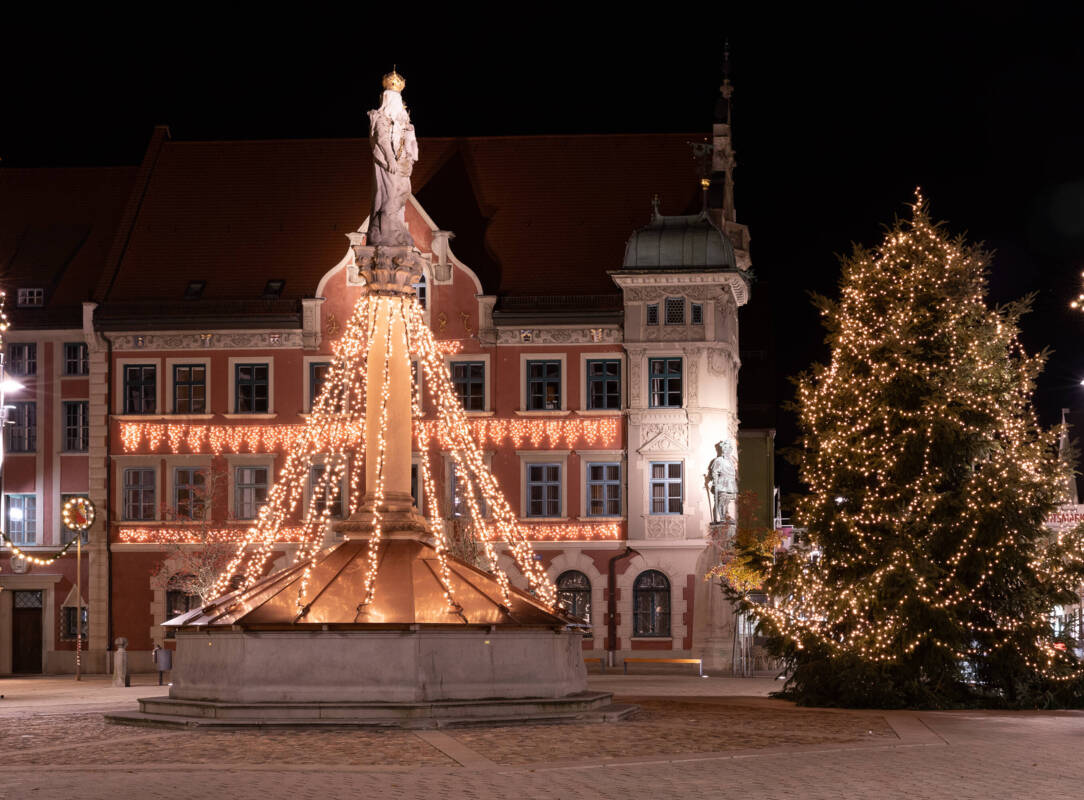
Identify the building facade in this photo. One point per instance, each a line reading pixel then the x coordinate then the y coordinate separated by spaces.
pixel 593 341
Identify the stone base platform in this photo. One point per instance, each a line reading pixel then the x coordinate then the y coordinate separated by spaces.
pixel 172 712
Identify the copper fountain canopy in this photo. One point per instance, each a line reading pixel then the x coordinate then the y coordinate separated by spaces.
pixel 408 594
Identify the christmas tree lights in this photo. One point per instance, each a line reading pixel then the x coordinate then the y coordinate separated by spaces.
pixel 928 576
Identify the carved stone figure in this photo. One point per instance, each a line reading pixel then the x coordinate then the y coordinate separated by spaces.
pixel 722 480
pixel 395 149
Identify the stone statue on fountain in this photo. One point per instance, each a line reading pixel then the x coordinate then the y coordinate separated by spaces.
pixel 395 149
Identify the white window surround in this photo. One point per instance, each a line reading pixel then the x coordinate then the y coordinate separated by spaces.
pixel 542 457
pixel 615 355
pixel 487 408
pixel 121 463
pixel 205 362
pixel 531 356
pixel 39 511
pixel 660 458
pixel 603 457
pixel 118 386
pixel 231 396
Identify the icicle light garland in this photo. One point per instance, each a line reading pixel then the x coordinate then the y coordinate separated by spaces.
pixel 197 536
pixel 218 439
pixel 849 437
pixel 336 427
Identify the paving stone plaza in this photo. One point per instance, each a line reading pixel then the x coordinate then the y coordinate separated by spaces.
pixel 712 737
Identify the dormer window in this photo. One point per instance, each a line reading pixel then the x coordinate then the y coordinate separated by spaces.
pixel 675 310
pixel 30 297
pixel 273 289
pixel 194 290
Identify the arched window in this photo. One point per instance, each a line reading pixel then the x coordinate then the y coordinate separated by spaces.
pixel 651 604
pixel 574 594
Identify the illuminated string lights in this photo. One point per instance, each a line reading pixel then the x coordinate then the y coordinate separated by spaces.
pixel 166 535
pixel 572 532
pixel 218 439
pixel 16 552
pixel 1078 303
pixel 929 476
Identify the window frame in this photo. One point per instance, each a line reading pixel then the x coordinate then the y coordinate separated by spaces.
pixel 126 486
pixel 22 359
pixel 696 313
pixel 651 314
pixel 26 532
pixel 545 482
pixel 672 303
pixel 590 381
pixel 322 502
pixel 22 428
pixel 545 381
pixel 176 382
pixel 470 381
pixel 253 383
pixel 311 368
pixel 79 432
pixel 655 614
pixel 604 482
pixel 127 385
pixel 30 297
pixel 203 503
pixel 453 483
pixel 666 381
pixel 578 593
pixel 666 481
pixel 81 359
pixel 239 487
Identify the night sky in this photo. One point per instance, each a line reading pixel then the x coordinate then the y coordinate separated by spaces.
pixel 838 116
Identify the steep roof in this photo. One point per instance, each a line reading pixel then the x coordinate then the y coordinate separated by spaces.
pixel 56 228
pixel 535 215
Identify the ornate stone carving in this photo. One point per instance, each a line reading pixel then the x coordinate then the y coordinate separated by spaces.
pixel 721 362
pixel 636 358
pixel 395 149
pixel 664 527
pixel 222 341
pixel 673 333
pixel 560 336
pixel 692 379
pixel 664 437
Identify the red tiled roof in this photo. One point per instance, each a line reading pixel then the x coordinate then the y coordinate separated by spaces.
pixel 56 227
pixel 532 215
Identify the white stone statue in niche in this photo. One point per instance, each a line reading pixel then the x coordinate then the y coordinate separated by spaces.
pixel 723 480
pixel 395 149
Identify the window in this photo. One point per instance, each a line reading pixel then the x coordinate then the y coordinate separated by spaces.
pixel 251 491
pixel 666 487
pixel 469 379
pixel 544 385
pixel 665 377
pixel 189 389
pixel 651 604
pixel 190 493
pixel 318 372
pixel 76 426
pixel 604 384
pixel 22 518
pixel 675 310
pixel 66 533
pixel 414 478
pixel 697 314
pixel 272 290
pixel 543 490
pixel 574 594
pixel 251 388
pixel 139 494
pixel 460 503
pixel 70 613
pixel 180 599
pixel 76 359
pixel 194 290
pixel 653 314
pixel 140 395
pixel 23 358
pixel 23 428
pixel 320 495
pixel 604 490
pixel 33 296
pixel 419 290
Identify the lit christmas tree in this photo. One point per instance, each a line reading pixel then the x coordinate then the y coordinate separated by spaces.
pixel 928 577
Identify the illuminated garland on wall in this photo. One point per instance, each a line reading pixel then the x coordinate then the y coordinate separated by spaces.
pixel 158 535
pixel 572 532
pixel 41 562
pixel 218 439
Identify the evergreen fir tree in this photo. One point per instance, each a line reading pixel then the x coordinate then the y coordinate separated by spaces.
pixel 928 578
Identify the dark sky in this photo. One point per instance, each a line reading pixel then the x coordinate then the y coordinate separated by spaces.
pixel 838 116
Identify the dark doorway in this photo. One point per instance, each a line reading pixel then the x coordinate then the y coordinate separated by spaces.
pixel 26 632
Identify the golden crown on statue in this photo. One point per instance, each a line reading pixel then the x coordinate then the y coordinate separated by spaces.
pixel 394 81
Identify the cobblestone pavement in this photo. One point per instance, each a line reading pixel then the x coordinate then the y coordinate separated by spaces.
pixel 691 739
